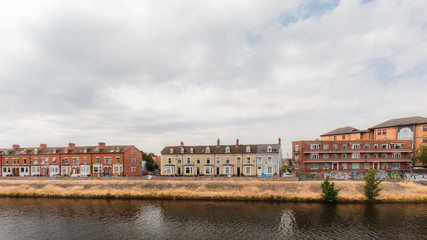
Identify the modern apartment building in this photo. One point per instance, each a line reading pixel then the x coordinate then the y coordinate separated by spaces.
pixel 98 160
pixel 238 159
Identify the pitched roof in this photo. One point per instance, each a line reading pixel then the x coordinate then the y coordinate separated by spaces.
pixel 214 149
pixel 343 130
pixel 401 122
pixel 67 150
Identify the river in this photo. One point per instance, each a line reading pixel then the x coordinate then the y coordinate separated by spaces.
pixel 22 218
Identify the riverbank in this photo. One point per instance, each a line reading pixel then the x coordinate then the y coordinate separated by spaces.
pixel 352 191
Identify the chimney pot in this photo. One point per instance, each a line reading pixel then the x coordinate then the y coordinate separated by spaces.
pixel 280 141
pixel 43 145
pixel 15 146
pixel 71 145
pixel 237 143
pixel 218 142
pixel 101 144
pixel 182 144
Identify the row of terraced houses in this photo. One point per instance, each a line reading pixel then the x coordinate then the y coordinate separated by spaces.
pixel 98 160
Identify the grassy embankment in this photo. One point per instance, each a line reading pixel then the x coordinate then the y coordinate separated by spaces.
pixel 215 190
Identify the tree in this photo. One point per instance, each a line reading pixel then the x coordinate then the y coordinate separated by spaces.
pixel 148 157
pixel 421 154
pixel 329 193
pixel 371 187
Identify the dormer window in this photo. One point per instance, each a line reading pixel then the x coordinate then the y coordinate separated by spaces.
pixel 248 149
pixel 117 149
pixel 54 150
pixel 208 150
pixel 25 151
pixel 182 150
pixel 227 149
pixel 66 150
pixel 191 150
pixel 85 150
pixel 36 151
pixel 6 152
pixel 171 150
pixel 269 149
pixel 97 150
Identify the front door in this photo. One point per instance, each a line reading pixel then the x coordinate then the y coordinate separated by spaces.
pixel 198 170
pixel 217 171
pixel 179 171
pixel 238 171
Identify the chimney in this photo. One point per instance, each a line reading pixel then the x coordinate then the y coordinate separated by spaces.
pixel 218 143
pixel 101 144
pixel 280 141
pixel 71 145
pixel 43 145
pixel 237 143
pixel 182 144
pixel 15 146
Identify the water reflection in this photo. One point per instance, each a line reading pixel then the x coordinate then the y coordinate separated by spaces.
pixel 138 219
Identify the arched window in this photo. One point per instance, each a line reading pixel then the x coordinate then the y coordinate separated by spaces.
pixel 227 149
pixel 208 150
pixel 191 150
pixel 269 149
pixel 248 149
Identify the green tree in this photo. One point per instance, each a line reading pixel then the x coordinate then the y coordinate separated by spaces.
pixel 421 154
pixel 148 157
pixel 371 187
pixel 329 193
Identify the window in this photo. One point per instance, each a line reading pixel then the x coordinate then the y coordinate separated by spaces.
pixel 247 170
pixel 227 149
pixel 355 165
pixel 97 159
pixel 188 170
pixel 269 160
pixel 269 149
pixel 169 160
pixel 366 146
pixel 425 128
pixel 248 149
pixel 73 160
pixel 325 166
pixel 376 155
pixel 366 156
pixel 325 156
pixel 335 147
pixel 344 146
pixel 208 150
pixel 296 148
pixel 35 160
pixel 397 155
pixel 182 150
pixel 227 170
pixel 355 146
pixel 335 156
pixel 77 160
pixel 191 150
pixel 198 160
pixel 248 159
pixel 84 160
pixel 117 160
pixel 259 160
pixel 344 156
pixel 384 132
pixel 208 170
pixel 344 166
pixel 296 165
pixel 105 160
pixel 171 150
pixel 314 156
pixel 169 170
pixel 116 169
pixel 384 155
pixel 314 146
pixel 383 165
pixel 325 146
pixel 366 166
pixel 379 132
pixel 425 140
pixel 343 137
pixel 25 161
pixel 384 146
pixel 296 157
pixel 376 146
pixel 355 155
pixel 188 160
pixel 208 160
pixel 335 137
pixel 238 160
pixel 218 160
pixel 269 170
pixel 396 165
pixel 314 166
pixel 178 160
pixel 227 160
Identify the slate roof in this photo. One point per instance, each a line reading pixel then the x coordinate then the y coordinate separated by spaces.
pixel 214 149
pixel 343 130
pixel 70 150
pixel 263 148
pixel 401 122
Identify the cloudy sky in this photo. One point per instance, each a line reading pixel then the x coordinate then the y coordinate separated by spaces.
pixel 153 73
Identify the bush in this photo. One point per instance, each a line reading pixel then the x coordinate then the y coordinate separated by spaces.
pixel 371 187
pixel 329 193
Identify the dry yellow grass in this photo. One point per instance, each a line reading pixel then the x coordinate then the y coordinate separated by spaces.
pixel 351 191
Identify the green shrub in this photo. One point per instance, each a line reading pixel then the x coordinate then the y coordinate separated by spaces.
pixel 371 187
pixel 329 193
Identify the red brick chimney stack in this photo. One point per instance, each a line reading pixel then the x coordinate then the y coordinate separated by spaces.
pixel 101 144
pixel 15 146
pixel 182 144
pixel 280 141
pixel 43 145
pixel 71 145
pixel 237 143
pixel 218 143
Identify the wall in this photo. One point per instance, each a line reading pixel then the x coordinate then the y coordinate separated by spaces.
pixel 411 176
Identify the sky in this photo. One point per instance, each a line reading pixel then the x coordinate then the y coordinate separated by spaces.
pixel 155 73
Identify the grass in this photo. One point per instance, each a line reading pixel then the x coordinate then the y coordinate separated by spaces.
pixel 206 190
